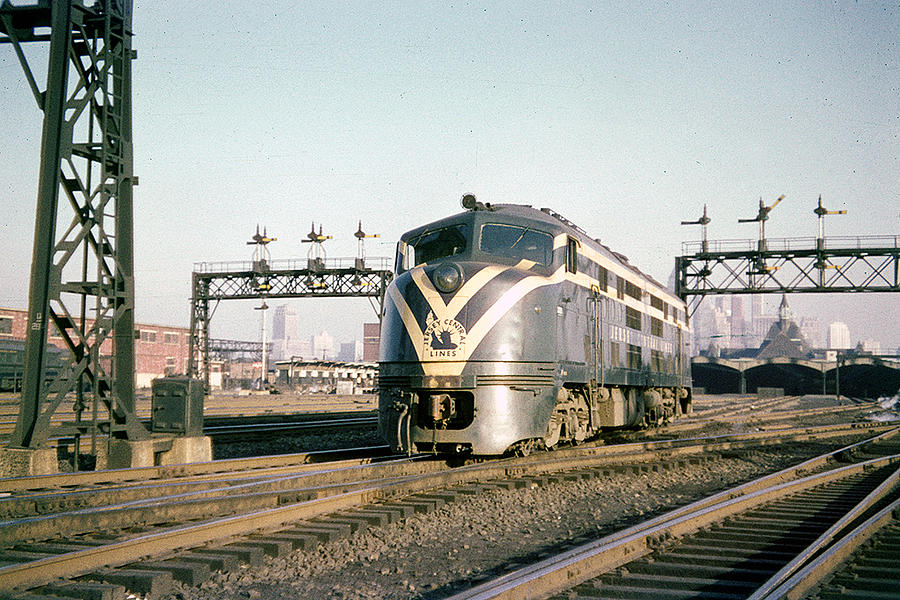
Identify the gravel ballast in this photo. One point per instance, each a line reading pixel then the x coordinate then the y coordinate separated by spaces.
pixel 478 538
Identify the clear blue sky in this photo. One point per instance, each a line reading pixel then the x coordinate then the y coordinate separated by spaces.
pixel 624 117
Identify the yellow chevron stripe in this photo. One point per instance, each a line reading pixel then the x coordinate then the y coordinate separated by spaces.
pixel 409 319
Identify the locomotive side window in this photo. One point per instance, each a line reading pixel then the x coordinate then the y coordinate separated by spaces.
pixel 512 241
pixel 6 325
pixel 572 256
pixel 634 357
pixel 632 318
pixel 602 278
pixel 431 245
pixel 632 290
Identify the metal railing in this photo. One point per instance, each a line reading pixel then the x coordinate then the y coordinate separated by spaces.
pixel 798 244
pixel 379 263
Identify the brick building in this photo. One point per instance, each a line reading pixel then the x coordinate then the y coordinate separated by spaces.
pixel 158 349
pixel 371 341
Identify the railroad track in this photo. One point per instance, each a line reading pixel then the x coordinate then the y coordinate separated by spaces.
pixel 222 410
pixel 777 537
pixel 147 530
pixel 241 431
pixel 258 428
pixel 770 412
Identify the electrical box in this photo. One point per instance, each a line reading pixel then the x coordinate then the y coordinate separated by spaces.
pixel 177 406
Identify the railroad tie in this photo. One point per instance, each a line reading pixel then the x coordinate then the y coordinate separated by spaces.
pixel 325 532
pixel 356 525
pixel 392 513
pixel 298 541
pixel 188 573
pixel 250 555
pixel 216 561
pixel 152 584
pixel 84 589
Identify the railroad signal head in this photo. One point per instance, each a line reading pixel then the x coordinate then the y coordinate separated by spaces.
pixel 764 211
pixel 821 211
pixel 704 220
pixel 360 234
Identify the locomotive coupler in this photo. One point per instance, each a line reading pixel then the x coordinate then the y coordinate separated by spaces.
pixel 440 407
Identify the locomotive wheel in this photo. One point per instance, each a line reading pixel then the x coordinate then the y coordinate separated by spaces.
pixel 526 447
pixel 582 419
pixel 554 428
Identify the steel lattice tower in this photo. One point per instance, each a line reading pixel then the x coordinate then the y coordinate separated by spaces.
pixel 82 283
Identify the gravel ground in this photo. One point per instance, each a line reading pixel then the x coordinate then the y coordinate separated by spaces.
pixel 432 556
pixel 292 444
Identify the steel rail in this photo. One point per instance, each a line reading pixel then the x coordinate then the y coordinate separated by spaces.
pixel 826 539
pixel 224 431
pixel 122 552
pixel 570 568
pixel 70 505
pixel 815 572
pixel 226 467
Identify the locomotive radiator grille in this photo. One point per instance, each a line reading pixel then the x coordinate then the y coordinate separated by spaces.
pixel 515 380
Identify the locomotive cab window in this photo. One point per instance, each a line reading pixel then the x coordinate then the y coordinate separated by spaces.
pixel 6 325
pixel 431 245
pixel 572 255
pixel 513 241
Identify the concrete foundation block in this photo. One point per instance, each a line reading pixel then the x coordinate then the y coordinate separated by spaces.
pixel 24 462
pixel 157 451
pixel 188 450
pixel 126 454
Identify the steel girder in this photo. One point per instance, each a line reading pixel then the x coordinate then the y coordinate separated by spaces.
pixel 223 348
pixel 790 269
pixel 263 283
pixel 82 282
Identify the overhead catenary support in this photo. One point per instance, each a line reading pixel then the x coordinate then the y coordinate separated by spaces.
pixel 82 282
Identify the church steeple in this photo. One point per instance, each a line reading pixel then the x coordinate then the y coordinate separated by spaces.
pixel 784 337
pixel 784 311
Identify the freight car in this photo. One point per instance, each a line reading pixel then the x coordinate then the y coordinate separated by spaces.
pixel 12 364
pixel 508 329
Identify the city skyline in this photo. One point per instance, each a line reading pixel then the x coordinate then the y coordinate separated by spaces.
pixel 727 326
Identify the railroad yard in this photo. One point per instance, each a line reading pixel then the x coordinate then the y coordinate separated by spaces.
pixel 528 414
pixel 361 523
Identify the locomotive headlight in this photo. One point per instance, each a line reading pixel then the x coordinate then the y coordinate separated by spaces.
pixel 447 278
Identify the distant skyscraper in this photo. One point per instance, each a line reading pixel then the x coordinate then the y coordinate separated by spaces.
pixel 760 321
pixel 323 346
pixel 284 323
pixel 285 342
pixel 873 346
pixel 812 331
pixel 737 322
pixel 838 336
pixel 351 351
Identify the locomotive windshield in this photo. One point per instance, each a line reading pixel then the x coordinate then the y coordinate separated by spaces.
pixel 430 245
pixel 513 241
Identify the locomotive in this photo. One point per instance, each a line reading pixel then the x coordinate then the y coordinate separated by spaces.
pixel 508 329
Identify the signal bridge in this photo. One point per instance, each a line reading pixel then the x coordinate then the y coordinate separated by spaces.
pixel 790 265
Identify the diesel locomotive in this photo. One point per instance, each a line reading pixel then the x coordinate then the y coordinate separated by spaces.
pixel 508 329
